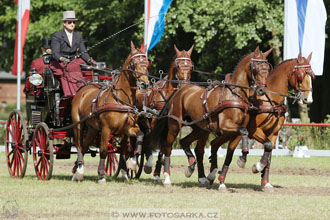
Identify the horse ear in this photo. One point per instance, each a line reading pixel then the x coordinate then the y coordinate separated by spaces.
pixel 309 57
pixel 268 52
pixel 176 50
pixel 132 47
pixel 190 50
pixel 299 55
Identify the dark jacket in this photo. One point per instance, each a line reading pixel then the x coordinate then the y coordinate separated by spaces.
pixel 61 47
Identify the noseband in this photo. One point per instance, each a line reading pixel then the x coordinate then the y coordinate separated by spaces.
pixel 299 76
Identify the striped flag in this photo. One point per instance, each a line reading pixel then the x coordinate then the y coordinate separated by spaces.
pixel 155 11
pixel 304 31
pixel 24 16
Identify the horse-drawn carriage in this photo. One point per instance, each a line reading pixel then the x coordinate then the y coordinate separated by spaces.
pixel 48 130
pixel 233 109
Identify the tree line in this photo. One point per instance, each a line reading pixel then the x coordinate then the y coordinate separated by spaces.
pixel 222 31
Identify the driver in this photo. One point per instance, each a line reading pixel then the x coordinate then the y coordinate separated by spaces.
pixel 66 45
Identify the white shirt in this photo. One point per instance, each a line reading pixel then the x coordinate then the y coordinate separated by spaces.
pixel 69 35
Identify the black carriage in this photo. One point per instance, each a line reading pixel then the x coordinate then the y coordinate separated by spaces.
pixel 47 132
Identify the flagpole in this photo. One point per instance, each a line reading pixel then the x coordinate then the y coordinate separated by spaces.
pixel 146 25
pixel 19 54
pixel 285 30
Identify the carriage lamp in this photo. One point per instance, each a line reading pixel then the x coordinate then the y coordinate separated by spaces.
pixel 35 79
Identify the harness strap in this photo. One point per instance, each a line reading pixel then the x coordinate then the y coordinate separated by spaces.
pixel 224 105
pixel 113 107
pixel 279 109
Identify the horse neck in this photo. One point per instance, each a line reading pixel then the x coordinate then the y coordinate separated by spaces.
pixel 279 79
pixel 169 85
pixel 240 75
pixel 126 85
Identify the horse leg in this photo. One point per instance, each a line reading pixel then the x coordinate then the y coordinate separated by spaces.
pixel 78 168
pixel 245 150
pixel 215 144
pixel 199 151
pixel 103 154
pixel 258 167
pixel 148 152
pixel 266 186
pixel 185 145
pixel 158 167
pixel 122 161
pixel 132 163
pixel 229 156
pixel 173 130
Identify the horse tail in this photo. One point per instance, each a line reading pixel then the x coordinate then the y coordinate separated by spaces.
pixel 159 133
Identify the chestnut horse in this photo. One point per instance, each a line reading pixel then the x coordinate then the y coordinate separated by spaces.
pixel 222 109
pixel 265 124
pixel 110 110
pixel 152 100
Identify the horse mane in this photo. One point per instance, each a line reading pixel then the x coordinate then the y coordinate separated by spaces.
pixel 285 62
pixel 241 60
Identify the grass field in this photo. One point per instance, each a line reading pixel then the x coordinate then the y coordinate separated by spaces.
pixel 302 191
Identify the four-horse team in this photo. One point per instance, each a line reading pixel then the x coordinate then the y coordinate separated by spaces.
pixel 127 113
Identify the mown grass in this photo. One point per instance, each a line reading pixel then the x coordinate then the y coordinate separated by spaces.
pixel 295 196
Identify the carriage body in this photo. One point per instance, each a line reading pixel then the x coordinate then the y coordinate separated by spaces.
pixel 46 132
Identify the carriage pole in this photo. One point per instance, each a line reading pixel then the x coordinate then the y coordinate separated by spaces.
pixel 19 54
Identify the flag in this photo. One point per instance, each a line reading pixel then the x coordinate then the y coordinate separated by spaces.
pixel 304 31
pixel 155 11
pixel 24 17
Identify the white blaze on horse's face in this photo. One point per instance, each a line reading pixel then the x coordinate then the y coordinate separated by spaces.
pixel 184 67
pixel 307 96
pixel 140 64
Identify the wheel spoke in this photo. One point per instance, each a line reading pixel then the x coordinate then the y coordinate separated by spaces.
pixel 46 166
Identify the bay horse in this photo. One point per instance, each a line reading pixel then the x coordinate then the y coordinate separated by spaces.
pixel 110 110
pixel 152 100
pixel 267 121
pixel 220 109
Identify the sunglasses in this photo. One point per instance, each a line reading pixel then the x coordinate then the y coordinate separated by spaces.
pixel 70 22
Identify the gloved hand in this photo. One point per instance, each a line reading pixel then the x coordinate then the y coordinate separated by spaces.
pixel 91 61
pixel 64 60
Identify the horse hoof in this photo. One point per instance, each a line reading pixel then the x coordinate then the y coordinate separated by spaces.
pixel 240 163
pixel 222 188
pixel 212 175
pixel 147 169
pixel 167 185
pixel 158 180
pixel 268 188
pixel 74 178
pixel 204 182
pixel 102 181
pixel 256 168
pixel 188 172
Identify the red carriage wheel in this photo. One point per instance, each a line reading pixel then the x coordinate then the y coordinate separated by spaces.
pixel 16 144
pixel 43 156
pixel 112 162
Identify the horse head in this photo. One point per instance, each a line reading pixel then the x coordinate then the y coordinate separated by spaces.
pixel 183 65
pixel 139 64
pixel 301 78
pixel 259 69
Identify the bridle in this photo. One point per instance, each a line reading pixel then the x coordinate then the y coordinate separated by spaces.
pixel 187 64
pixel 259 86
pixel 143 62
pixel 300 75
